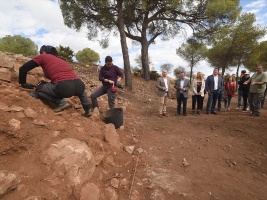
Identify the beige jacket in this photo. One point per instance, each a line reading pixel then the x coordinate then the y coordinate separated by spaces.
pixel 194 88
pixel 161 86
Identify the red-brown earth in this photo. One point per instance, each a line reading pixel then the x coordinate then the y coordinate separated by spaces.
pixel 220 157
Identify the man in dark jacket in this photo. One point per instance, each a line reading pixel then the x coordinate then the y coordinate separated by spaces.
pixel 213 87
pixel 64 82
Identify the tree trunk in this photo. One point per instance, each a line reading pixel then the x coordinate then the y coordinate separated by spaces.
pixel 237 72
pixel 191 72
pixel 126 60
pixel 223 71
pixel 144 58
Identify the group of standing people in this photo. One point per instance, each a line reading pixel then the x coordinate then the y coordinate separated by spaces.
pixel 65 83
pixel 251 89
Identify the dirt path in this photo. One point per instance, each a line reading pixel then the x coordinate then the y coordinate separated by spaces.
pixel 198 157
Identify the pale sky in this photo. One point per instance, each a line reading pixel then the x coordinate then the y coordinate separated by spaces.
pixel 42 22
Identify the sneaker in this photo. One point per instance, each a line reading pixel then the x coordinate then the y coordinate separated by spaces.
pixel 229 108
pixel 165 114
pixel 238 108
pixel 193 112
pixel 244 111
pixel 214 113
pixel 160 115
pixel 88 113
pixel 34 95
pixel 62 105
pixel 198 112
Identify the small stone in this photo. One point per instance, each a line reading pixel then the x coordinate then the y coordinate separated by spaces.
pixel 124 182
pixel 185 163
pixel 151 186
pixel 114 182
pixel 15 124
pixel 129 149
pixel 39 122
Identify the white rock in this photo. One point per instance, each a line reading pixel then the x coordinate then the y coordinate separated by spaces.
pixel 15 124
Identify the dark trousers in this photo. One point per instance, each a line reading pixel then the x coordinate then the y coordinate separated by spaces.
pixel 181 100
pixel 219 100
pixel 239 98
pixel 202 102
pixel 101 91
pixel 227 103
pixel 245 99
pixel 263 98
pixel 55 92
pixel 196 99
pixel 254 100
pixel 211 104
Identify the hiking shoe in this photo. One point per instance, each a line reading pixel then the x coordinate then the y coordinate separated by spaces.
pixel 34 95
pixel 87 113
pixel 62 105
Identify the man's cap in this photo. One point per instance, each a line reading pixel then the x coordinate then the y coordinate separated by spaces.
pixel 247 73
pixel 243 71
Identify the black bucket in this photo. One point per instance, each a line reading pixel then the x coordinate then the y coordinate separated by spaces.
pixel 114 116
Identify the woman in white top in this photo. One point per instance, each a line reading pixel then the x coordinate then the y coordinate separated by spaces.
pixel 198 93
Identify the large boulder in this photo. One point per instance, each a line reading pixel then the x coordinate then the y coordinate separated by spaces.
pixel 70 160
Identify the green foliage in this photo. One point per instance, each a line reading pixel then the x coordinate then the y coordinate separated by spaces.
pixel 219 55
pixel 19 45
pixel 221 11
pixel 235 43
pixel 258 56
pixel 87 55
pixel 192 51
pixel 166 66
pixel 177 71
pixel 245 36
pixel 138 60
pixel 66 53
pixel 144 21
pixel 154 75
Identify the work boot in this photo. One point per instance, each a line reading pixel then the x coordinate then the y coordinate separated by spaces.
pixel 88 113
pixel 62 105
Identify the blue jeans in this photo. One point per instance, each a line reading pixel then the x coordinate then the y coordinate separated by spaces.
pixel 101 91
pixel 211 104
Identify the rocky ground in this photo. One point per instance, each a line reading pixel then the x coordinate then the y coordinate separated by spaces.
pixel 44 155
